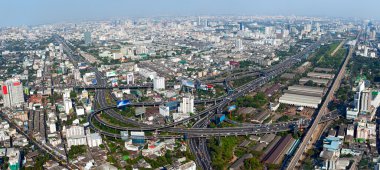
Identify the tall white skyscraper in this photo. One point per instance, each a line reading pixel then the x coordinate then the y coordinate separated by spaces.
pixel 158 83
pixel 188 104
pixel 13 93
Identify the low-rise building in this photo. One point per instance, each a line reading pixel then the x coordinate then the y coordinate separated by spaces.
pixel 94 140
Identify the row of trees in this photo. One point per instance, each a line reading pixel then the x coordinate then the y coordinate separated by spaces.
pixel 323 58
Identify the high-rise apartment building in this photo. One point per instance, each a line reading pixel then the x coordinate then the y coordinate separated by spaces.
pixel 188 104
pixel 13 94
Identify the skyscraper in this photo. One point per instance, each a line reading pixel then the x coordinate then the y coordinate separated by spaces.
pixel 241 26
pixel 188 104
pixel 13 93
pixel 87 38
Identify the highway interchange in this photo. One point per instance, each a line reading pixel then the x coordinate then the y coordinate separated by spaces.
pixel 199 131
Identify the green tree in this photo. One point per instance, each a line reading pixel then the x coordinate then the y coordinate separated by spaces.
pixel 73 94
pixel 253 164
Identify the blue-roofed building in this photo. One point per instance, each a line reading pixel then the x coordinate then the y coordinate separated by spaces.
pixel 173 105
pixel 331 152
pixel 332 143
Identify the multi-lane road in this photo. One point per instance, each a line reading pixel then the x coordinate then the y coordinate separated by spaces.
pixel 202 117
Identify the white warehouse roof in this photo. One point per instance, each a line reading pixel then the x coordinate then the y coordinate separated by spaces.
pixel 300 100
pixel 307 89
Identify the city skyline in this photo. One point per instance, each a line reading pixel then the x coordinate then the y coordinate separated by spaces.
pixel 190 84
pixel 43 12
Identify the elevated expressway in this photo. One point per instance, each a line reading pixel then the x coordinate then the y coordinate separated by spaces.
pixel 276 70
pixel 199 130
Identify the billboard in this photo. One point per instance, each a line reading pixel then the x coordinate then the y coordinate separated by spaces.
pixel 111 74
pixel 26 91
pixel 231 108
pixel 234 63
pixel 123 103
pixel 219 118
pixel 203 87
pixel 188 83
pixel 5 90
pixel 114 83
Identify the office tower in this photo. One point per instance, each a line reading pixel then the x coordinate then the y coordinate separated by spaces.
pixel 188 104
pixel 239 44
pixel 199 21
pixel 87 38
pixel 13 93
pixel 158 83
pixel 241 26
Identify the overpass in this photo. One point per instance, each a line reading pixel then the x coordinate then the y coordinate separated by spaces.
pixel 242 129
pixel 199 130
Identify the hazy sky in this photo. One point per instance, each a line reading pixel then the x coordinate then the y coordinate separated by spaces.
pixel 29 12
